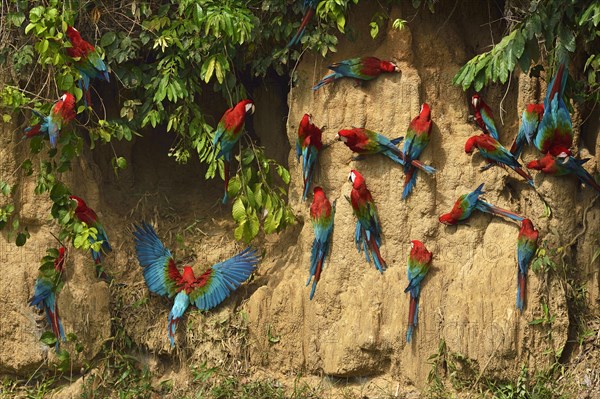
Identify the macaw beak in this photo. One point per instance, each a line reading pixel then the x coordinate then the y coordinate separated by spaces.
pixel 475 101
pixel 396 68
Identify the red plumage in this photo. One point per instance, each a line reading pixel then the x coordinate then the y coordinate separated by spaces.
pixel 83 212
pixel 81 48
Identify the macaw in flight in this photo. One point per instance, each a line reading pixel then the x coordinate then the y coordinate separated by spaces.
pixel 366 142
pixel 63 112
pixel 229 130
pixel 310 7
pixel 205 291
pixel 367 236
pixel 467 203
pixel 361 68
pixel 87 215
pixel 419 261
pixel 47 286
pixel 322 213
pixel 308 144
pixel 496 153
pixel 484 116
pixel 417 138
pixel 87 61
pixel 526 248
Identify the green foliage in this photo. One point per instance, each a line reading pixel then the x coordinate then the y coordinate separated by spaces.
pixel 554 26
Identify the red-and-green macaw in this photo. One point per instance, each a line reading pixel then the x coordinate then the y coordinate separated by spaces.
pixel 530 121
pixel 467 203
pixel 367 236
pixel 87 215
pixel 205 292
pixel 87 61
pixel 417 138
pixel 484 116
pixel 47 286
pixel 229 130
pixel 63 112
pixel 495 152
pixel 526 247
pixel 361 68
pixel 419 261
pixel 309 11
pixel 308 144
pixel 322 214
pixel 555 132
pixel 563 165
pixel 366 142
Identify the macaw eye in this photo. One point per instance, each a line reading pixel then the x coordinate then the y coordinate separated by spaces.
pixel 250 108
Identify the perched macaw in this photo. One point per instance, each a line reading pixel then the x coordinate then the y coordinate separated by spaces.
pixel 309 10
pixel 555 131
pixel 229 130
pixel 61 114
pixel 88 216
pixel 87 61
pixel 526 247
pixel 530 121
pixel 322 214
pixel 495 152
pixel 467 203
pixel 417 138
pixel 484 116
pixel 419 261
pixel 361 68
pixel 308 145
pixel 365 142
pixel 367 236
pixel 205 292
pixel 563 165
pixel 47 287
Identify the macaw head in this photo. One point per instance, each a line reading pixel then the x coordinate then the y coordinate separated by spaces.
pixel 425 112
pixel 80 203
pixel 73 33
pixel 68 99
pixel 526 225
pixel 471 144
pixel 188 274
pixel 389 66
pixel 248 106
pixel 419 252
pixel 356 179
pixel 319 193
pixel 541 163
pixel 306 121
pixel 447 219
pixel 475 100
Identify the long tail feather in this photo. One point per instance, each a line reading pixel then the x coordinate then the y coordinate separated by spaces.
pixel 380 263
pixel 326 80
pixel 298 36
pixel 412 317
pixel 226 173
pixel 521 290
pixel 410 180
pixel 524 175
pixel 494 210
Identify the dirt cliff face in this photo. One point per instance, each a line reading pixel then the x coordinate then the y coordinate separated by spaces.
pixel 356 324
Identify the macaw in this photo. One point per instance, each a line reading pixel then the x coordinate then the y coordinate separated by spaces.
pixel 309 11
pixel 555 131
pixel 63 112
pixel 419 261
pixel 229 132
pixel 484 116
pixel 530 121
pixel 365 142
pixel 361 68
pixel 417 138
pixel 205 292
pixel 87 61
pixel 526 247
pixel 47 287
pixel 467 203
pixel 322 214
pixel 562 165
pixel 495 152
pixel 308 145
pixel 87 215
pixel 367 235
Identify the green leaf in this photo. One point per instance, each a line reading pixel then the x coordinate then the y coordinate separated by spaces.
pixel 48 338
pixel 21 239
pixel 108 38
pixel 238 211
